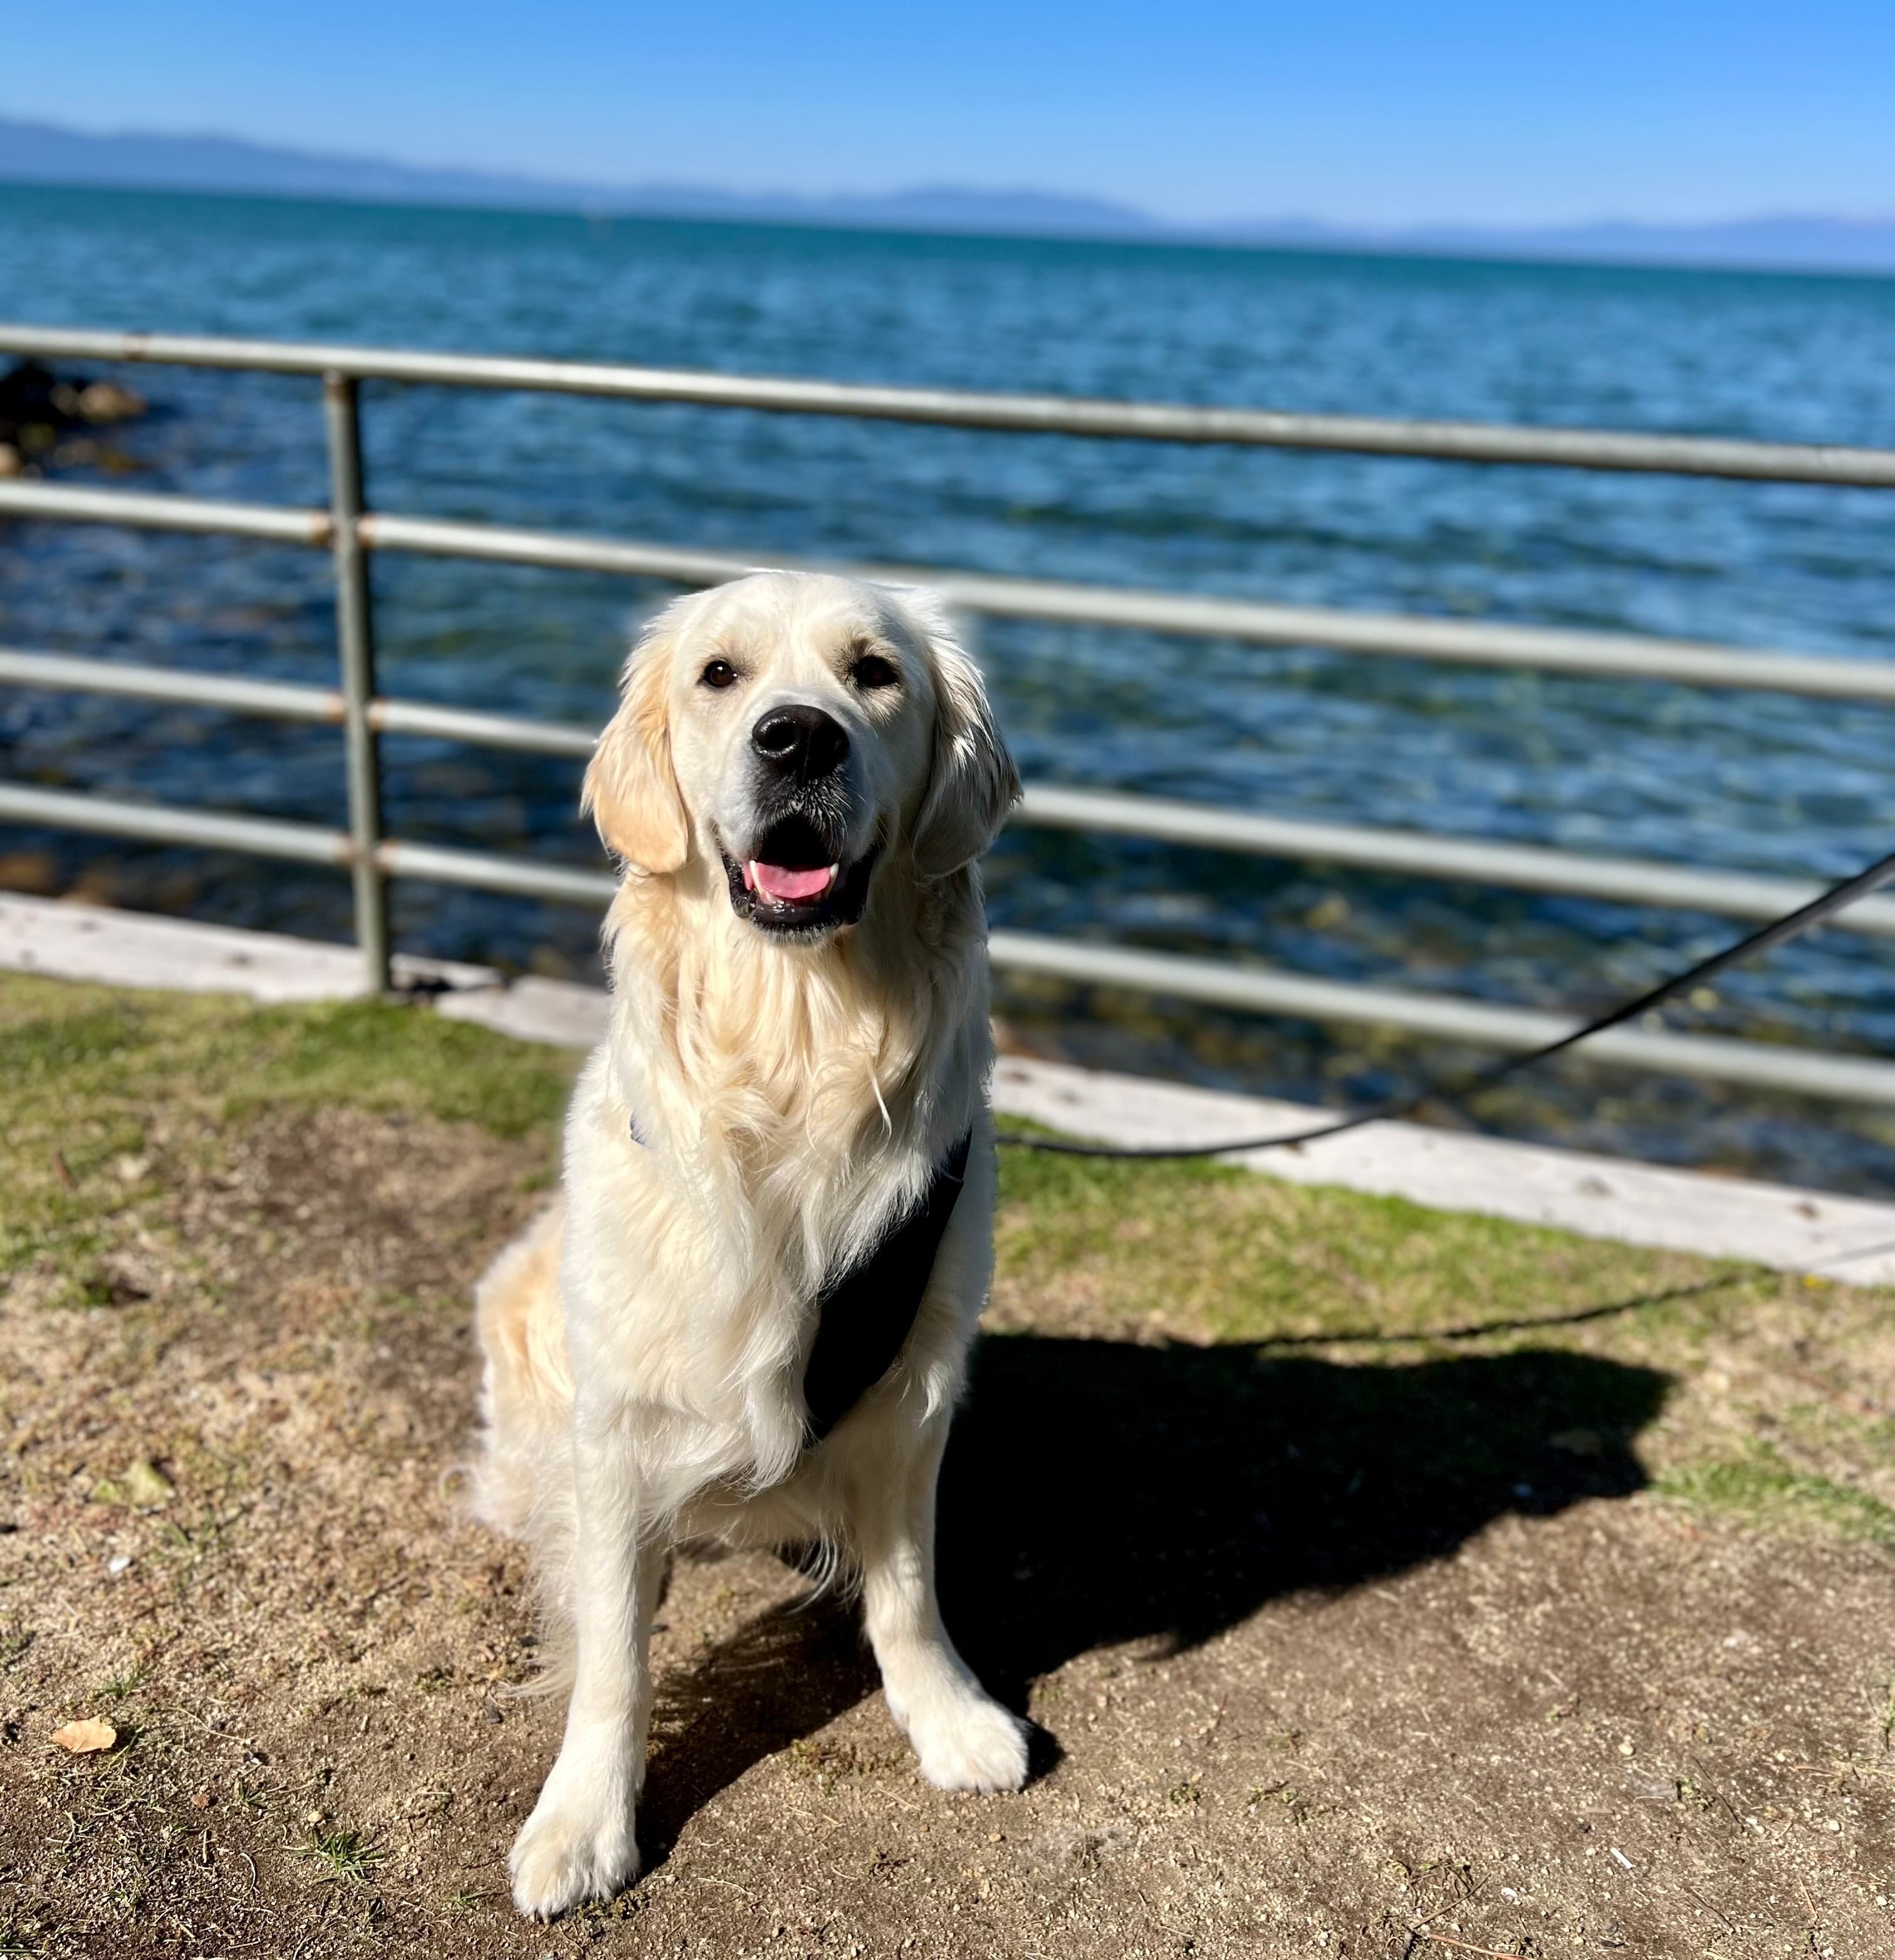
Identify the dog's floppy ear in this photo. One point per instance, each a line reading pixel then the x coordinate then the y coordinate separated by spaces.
pixel 630 791
pixel 974 783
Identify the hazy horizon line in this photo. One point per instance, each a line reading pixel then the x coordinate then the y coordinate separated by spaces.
pixel 35 151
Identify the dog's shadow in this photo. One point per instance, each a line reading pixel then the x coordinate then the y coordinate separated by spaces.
pixel 1101 1492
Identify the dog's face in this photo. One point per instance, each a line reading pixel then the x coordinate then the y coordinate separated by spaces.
pixel 801 731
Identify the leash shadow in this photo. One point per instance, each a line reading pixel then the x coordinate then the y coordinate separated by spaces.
pixel 1100 1493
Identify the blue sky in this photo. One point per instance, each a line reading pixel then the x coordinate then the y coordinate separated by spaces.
pixel 1360 110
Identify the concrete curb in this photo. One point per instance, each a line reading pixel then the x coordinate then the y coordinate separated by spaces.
pixel 1771 1225
pixel 1603 1198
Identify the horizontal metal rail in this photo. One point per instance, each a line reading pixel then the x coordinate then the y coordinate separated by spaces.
pixel 1754 1064
pixel 112 816
pixel 1849 1078
pixel 301 843
pixel 1254 622
pixel 1043 414
pixel 524 877
pixel 1429 854
pixel 287 701
pixel 280 700
pixel 1420 854
pixel 485 731
pixel 158 510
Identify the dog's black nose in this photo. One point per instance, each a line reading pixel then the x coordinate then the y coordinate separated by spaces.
pixel 801 741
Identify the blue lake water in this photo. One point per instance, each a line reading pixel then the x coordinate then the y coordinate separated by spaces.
pixel 1752 781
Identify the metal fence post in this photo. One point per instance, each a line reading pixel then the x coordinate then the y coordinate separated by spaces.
pixel 355 643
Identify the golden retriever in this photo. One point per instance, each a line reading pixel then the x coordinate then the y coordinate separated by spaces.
pixel 789 1107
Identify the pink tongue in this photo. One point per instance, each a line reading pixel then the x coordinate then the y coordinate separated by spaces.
pixel 788 887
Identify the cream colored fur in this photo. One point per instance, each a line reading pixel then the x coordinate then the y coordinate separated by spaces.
pixel 791 1098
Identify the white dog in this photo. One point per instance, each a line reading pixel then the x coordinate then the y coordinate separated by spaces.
pixel 785 1134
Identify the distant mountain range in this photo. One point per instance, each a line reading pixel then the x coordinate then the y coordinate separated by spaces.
pixel 41 152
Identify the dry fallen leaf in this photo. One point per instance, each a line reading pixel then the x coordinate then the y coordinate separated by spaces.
pixel 87 1738
pixel 146 1486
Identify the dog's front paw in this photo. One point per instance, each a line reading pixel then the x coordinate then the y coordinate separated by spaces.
pixel 966 1742
pixel 568 1852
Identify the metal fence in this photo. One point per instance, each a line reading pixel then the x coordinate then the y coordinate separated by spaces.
pixel 351 532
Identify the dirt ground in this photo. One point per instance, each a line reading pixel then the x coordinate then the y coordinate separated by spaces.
pixel 1357 1648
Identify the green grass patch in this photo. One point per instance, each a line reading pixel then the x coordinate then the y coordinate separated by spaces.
pixel 1207 1247
pixel 95 1077
pixel 109 1051
pixel 129 1682
pixel 1760 1489
pixel 349 1857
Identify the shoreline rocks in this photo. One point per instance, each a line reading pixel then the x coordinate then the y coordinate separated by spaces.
pixel 48 418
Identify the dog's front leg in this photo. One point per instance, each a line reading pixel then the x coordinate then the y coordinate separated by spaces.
pixel 579 1843
pixel 962 1737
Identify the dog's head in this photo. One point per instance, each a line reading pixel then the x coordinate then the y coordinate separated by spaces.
pixel 802 731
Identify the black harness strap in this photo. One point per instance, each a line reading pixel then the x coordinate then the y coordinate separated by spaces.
pixel 868 1311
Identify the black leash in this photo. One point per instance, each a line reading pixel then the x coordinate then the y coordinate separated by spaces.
pixel 1776 934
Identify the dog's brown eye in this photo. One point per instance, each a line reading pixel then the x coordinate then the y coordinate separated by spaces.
pixel 871 670
pixel 719 674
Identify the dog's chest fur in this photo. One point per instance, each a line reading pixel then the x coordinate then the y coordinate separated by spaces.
pixel 789 1112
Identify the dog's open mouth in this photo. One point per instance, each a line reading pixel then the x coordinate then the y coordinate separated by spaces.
pixel 780 885
pixel 795 884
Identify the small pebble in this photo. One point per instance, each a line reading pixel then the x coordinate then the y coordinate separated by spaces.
pixel 120 1561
